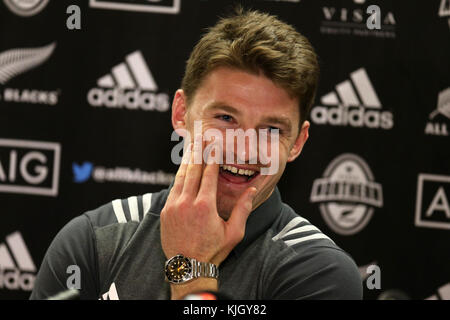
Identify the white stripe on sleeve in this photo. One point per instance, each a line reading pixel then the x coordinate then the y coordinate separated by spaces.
pixel 147 202
pixel 118 211
pixel 133 205
pixel 289 226
pixel 307 238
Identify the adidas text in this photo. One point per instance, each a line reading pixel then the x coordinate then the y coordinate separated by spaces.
pixel 16 280
pixel 131 99
pixel 352 116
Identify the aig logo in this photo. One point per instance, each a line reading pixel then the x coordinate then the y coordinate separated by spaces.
pixel 30 167
pixel 347 194
pixel 432 205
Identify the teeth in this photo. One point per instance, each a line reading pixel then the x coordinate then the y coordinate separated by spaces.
pixel 235 170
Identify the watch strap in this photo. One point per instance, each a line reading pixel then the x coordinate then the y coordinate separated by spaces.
pixel 204 269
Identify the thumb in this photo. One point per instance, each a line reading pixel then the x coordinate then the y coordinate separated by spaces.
pixel 241 211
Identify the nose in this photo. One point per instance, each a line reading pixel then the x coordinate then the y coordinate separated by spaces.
pixel 248 153
pixel 242 146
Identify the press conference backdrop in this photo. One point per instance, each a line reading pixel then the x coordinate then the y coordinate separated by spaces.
pixel 85 119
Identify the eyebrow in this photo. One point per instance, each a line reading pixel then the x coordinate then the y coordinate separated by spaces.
pixel 283 121
pixel 222 106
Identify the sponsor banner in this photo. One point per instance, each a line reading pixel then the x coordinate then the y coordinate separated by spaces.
pixel 29 167
pixel 347 194
pixel 155 6
pixel 17 269
pixel 15 62
pixel 432 202
pixel 354 18
pixel 354 103
pixel 130 85
pixel 84 172
pixel 444 10
pixel 26 8
pixel 438 120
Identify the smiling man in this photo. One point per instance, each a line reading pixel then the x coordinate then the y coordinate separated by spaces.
pixel 222 225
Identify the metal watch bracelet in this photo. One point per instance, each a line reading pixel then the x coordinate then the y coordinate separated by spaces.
pixel 204 269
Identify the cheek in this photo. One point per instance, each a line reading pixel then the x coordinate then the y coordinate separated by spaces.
pixel 274 151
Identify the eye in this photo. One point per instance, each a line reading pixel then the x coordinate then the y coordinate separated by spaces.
pixel 225 117
pixel 273 130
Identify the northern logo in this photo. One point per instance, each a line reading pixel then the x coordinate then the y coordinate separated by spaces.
pixel 14 62
pixel 354 103
pixel 26 8
pixel 439 118
pixel 29 167
pixel 347 194
pixel 130 85
pixel 17 269
pixel 432 202
pixel 155 6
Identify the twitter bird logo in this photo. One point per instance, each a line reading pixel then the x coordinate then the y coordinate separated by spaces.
pixel 82 173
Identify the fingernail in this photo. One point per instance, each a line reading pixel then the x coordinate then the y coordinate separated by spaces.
pixel 253 193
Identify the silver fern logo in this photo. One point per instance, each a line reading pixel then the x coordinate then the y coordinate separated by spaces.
pixel 26 8
pixel 17 61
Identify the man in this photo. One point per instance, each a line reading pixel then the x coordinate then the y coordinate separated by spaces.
pixel 220 226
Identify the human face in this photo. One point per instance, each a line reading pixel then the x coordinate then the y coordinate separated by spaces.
pixel 234 99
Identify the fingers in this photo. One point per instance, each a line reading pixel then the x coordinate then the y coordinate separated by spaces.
pixel 181 173
pixel 208 187
pixel 241 211
pixel 194 169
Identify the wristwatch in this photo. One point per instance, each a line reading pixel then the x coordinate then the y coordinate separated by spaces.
pixel 180 269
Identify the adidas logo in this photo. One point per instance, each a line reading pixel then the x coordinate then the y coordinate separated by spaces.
pixel 355 103
pixel 130 85
pixel 17 270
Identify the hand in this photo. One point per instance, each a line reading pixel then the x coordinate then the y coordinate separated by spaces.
pixel 190 223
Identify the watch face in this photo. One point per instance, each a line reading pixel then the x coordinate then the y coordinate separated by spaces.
pixel 179 269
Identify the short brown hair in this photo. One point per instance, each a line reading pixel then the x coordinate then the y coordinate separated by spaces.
pixel 256 42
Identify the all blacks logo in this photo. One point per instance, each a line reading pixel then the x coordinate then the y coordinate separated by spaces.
pixel 26 8
pixel 347 194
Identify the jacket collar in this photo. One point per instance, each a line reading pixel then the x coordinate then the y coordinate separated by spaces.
pixel 260 220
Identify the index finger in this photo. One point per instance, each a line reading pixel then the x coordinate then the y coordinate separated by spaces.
pixel 194 169
pixel 181 173
pixel 210 178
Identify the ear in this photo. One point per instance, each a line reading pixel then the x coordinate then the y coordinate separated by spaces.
pixel 179 112
pixel 299 142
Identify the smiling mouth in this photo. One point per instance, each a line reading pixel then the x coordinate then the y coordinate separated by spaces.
pixel 237 175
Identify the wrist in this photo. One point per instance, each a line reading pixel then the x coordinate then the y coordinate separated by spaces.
pixel 179 291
